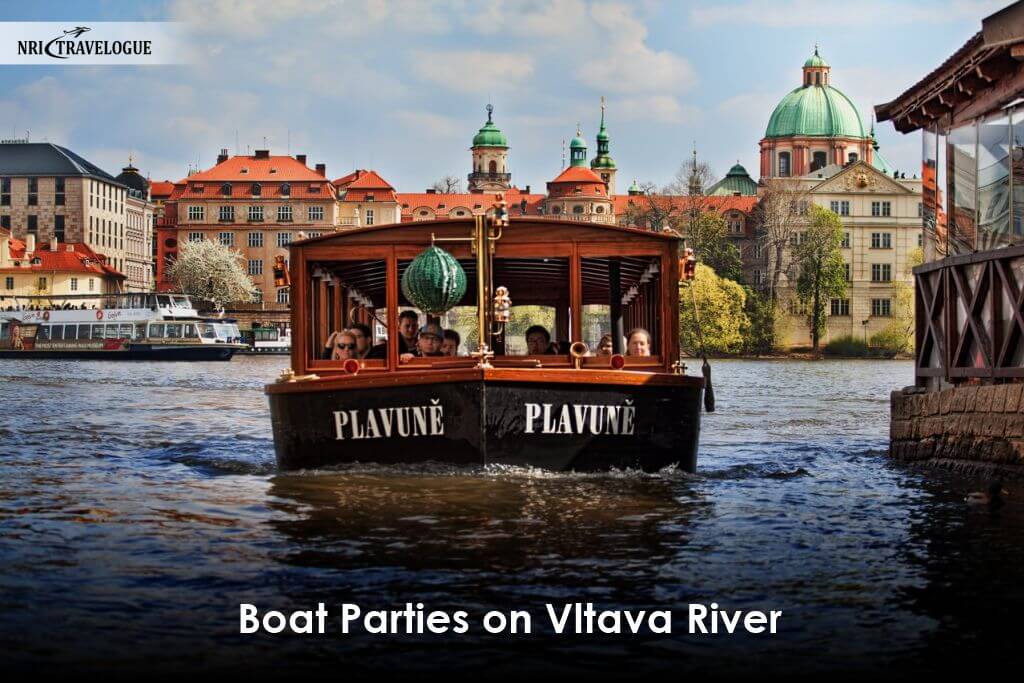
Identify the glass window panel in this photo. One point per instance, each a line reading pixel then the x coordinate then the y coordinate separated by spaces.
pixel 934 241
pixel 57 332
pixel 963 184
pixel 174 331
pixel 994 182
pixel 156 330
pixel 97 331
pixel 1017 164
pixel 44 333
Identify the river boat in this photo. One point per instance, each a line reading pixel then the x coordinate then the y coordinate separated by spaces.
pixel 270 341
pixel 564 409
pixel 136 326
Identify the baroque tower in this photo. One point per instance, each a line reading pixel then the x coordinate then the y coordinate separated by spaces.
pixel 603 164
pixel 490 159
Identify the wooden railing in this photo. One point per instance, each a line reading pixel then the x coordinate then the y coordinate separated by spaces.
pixel 970 318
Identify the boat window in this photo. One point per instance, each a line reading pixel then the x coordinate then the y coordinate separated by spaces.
pixel 110 332
pixel 84 331
pixel 44 333
pixel 163 301
pixel 156 330
pixel 621 292
pixel 342 294
pixel 206 331
pixel 3 330
pixel 124 331
pixel 140 332
pixel 190 331
pixel 57 332
pixel 173 331
pixel 97 331
pixel 70 332
pixel 539 290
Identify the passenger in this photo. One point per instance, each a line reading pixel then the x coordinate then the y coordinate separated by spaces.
pixel 363 336
pixel 407 324
pixel 638 342
pixel 538 341
pixel 330 343
pixel 428 343
pixel 344 346
pixel 450 345
pixel 604 347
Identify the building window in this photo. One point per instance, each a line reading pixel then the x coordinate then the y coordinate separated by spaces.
pixel 881 208
pixel 784 164
pixel 844 208
pixel 920 239
pixel 286 189
pixel 227 214
pixel 577 209
pixel 42 284
pixel 920 209
pixel 227 239
pixel 9 282
pixel 58 227
pixel 257 189
pixel 5 191
pixel 225 189
pixel 255 266
pixel 881 308
pixel 256 214
pixel 255 239
pixel 5 222
pixel 852 158
pixel 369 217
pixel 282 296
pixel 196 213
pixel 881 272
pixel 840 307
pixel 284 214
pixel 33 191
pixel 845 244
pixel 283 239
pixel 195 237
pixel 92 284
pixel 313 234
pixel 33 225
pixel 316 213
pixel 820 161
pixel 846 272
pixel 58 193
pixel 881 240
pixel 74 284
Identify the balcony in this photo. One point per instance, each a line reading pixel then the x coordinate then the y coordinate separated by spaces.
pixel 503 178
pixel 349 221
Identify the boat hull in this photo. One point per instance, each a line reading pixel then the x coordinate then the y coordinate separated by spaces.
pixel 549 425
pixel 134 352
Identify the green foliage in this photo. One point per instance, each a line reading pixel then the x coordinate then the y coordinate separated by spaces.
pixel 846 346
pixel 723 319
pixel 706 234
pixel 819 259
pixel 211 271
pixel 760 337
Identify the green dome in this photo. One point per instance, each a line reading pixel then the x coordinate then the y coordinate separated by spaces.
pixel 603 162
pixel 434 282
pixel 490 135
pixel 577 142
pixel 736 181
pixel 815 110
pixel 815 60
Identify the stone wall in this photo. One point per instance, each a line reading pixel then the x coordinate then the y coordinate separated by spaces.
pixel 975 429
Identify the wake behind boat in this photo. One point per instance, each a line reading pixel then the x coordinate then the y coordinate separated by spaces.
pixel 138 326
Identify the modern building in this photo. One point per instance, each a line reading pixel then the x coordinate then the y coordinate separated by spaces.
pixel 817 148
pixel 47 191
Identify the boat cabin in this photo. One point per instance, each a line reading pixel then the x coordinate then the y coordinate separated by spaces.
pixel 579 281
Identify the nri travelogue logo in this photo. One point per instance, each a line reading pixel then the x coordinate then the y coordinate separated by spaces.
pixel 99 42
pixel 68 44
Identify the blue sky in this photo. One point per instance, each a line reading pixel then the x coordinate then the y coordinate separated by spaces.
pixel 401 86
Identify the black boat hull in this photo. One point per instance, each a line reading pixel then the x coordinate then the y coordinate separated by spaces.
pixel 549 425
pixel 140 352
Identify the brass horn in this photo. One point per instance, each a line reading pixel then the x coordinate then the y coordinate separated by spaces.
pixel 578 350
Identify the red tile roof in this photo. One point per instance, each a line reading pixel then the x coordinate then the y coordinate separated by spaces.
pixel 190 188
pixel 577 174
pixel 344 180
pixel 270 168
pixel 81 259
pixel 720 204
pixel 442 204
pixel 369 180
pixel 161 189
pixel 360 185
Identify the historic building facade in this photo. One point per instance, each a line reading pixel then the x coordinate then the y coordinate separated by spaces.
pixel 816 147
pixel 29 269
pixel 49 192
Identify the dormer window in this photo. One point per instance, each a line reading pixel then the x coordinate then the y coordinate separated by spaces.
pixel 37 261
pixel 257 189
pixel 286 189
pixel 197 187
pixel 273 170
pixel 368 198
pixel 225 189
pixel 244 170
pixel 314 189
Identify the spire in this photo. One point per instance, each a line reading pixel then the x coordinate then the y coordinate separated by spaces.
pixel 603 159
pixel 695 185
pixel 490 107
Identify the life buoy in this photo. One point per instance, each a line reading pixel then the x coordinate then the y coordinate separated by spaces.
pixel 99 315
pixel 46 315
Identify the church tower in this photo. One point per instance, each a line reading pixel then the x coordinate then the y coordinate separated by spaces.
pixel 490 159
pixel 603 164
pixel 578 149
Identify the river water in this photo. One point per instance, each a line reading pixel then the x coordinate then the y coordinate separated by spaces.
pixel 139 505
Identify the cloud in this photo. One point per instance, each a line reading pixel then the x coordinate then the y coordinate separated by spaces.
pixel 434 125
pixel 660 108
pixel 829 13
pixel 472 71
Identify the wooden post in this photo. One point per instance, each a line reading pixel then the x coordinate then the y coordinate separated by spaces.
pixel 615 303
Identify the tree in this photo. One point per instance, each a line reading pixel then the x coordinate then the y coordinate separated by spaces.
pixel 448 185
pixel 822 275
pixel 720 304
pixel 898 335
pixel 707 235
pixel 781 210
pixel 760 336
pixel 211 271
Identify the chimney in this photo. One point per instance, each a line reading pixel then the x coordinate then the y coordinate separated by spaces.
pixel 262 154
pixel 53 243
pixel 30 244
pixel 431 190
pixel 223 156
pixel 322 169
pixel 301 158
pixel 527 190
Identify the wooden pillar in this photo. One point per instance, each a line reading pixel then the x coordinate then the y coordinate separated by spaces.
pixel 615 303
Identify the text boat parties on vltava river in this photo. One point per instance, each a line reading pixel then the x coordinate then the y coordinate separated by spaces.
pixel 563 409
pixel 122 327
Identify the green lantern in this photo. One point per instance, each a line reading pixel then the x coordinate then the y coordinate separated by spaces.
pixel 434 282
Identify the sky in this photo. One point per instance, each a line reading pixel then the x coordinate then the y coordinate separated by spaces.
pixel 401 86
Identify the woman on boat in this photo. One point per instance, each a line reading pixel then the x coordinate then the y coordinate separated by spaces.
pixel 344 346
pixel 638 343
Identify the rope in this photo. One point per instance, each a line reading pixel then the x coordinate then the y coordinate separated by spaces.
pixel 705 368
